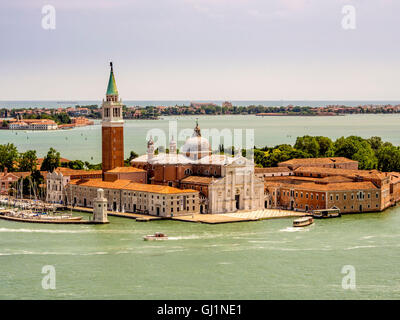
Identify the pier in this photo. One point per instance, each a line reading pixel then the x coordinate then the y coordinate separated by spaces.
pixel 241 216
pixel 59 221
pixel 135 216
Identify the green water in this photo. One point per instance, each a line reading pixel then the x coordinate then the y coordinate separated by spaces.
pixel 85 143
pixel 252 260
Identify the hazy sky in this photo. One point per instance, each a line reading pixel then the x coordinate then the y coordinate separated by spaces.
pixel 200 49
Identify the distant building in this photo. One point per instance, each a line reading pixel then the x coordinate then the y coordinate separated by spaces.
pixel 32 124
pixel 81 122
pixel 227 104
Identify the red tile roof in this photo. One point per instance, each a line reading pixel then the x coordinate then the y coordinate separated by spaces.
pixel 129 185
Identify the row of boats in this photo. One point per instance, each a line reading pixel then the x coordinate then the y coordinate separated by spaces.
pixel 317 214
pixel 26 204
pixel 36 216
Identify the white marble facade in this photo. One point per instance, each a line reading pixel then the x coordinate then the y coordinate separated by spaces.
pixel 238 188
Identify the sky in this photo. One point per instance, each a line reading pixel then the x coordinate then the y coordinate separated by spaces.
pixel 200 50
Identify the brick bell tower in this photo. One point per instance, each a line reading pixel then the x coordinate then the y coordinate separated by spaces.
pixel 112 127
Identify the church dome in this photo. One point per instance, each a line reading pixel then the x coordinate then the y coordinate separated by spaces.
pixel 196 146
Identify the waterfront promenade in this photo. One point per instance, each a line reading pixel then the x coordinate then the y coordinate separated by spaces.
pixel 241 216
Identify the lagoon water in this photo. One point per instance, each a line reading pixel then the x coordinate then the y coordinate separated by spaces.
pixel 253 260
pixel 85 143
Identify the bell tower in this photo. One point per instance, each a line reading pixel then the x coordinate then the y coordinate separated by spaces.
pixel 112 127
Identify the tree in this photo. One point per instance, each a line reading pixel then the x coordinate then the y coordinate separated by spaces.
pixel 308 144
pixel 132 156
pixel 51 161
pixel 375 142
pixel 388 158
pixel 8 156
pixel 28 161
pixel 356 148
pixel 75 164
pixel 325 146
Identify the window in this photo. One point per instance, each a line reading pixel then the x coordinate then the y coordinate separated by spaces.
pixel 331 197
pixel 344 197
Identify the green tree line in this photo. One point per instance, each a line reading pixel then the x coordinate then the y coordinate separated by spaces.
pixel 372 153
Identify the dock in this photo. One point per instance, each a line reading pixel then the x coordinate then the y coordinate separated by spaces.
pixel 129 215
pixel 60 221
pixel 241 216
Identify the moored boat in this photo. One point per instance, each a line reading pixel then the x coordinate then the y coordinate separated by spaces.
pixel 156 236
pixel 28 215
pixel 303 222
pixel 326 213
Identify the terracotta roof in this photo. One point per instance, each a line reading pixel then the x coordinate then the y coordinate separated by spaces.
pixel 126 169
pixel 129 185
pixel 331 179
pixel 342 172
pixel 155 188
pixel 198 180
pixel 272 170
pixel 71 172
pixel 22 174
pixel 317 161
pixel 99 183
pixel 310 186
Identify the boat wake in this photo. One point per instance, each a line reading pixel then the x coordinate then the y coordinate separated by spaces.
pixel 293 229
pixel 43 231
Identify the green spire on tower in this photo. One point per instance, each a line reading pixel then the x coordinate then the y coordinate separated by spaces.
pixel 112 87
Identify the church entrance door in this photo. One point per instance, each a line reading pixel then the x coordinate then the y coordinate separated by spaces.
pixel 237 200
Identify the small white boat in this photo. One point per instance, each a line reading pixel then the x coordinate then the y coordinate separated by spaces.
pixel 303 222
pixel 156 236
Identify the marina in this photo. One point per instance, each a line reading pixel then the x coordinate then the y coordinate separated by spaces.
pixel 31 211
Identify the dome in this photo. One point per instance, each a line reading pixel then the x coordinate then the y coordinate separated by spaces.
pixel 196 146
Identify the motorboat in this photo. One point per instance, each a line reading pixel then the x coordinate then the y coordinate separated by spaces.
pixel 303 222
pixel 156 236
